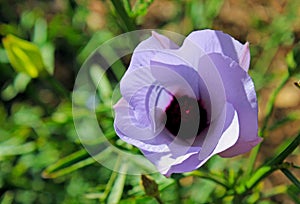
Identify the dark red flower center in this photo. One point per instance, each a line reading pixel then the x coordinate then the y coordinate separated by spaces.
pixel 186 117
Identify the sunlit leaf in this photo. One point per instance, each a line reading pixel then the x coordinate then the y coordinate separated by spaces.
pixel 27 19
pixel 7 198
pixel 3 56
pixel 24 56
pixel 281 189
pixel 17 149
pixel 40 31
pixel 140 7
pixel 47 52
pixel 96 40
pixel 18 86
pixel 102 83
pixel 117 189
pixel 72 163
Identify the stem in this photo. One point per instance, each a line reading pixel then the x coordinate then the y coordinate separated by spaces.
pixel 111 180
pixel 262 131
pixel 292 178
pixel 269 167
pixel 157 198
pixel 286 152
pixel 58 87
pixel 210 177
pixel 128 22
pixel 178 190
pixel 270 104
pixel 252 159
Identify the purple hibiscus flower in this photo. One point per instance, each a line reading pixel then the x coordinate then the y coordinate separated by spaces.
pixel 182 105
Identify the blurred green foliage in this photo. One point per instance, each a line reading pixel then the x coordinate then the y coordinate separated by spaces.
pixel 43 46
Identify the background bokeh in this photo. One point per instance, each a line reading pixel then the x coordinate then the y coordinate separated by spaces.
pixel 41 158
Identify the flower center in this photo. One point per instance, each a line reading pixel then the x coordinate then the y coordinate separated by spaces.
pixel 186 115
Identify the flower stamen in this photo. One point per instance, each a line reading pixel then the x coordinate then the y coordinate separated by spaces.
pixel 186 116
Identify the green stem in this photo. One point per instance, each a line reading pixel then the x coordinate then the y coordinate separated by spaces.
pixel 111 180
pixel 209 176
pixel 269 167
pixel 252 159
pixel 262 131
pixel 58 87
pixel 292 178
pixel 286 152
pixel 270 104
pixel 128 22
pixel 178 191
pixel 158 199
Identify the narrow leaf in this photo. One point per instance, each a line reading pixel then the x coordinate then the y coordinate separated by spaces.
pixel 23 55
pixel 17 149
pixel 117 189
pixel 73 162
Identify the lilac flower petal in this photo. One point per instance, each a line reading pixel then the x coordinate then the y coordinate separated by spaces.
pixel 213 82
pixel 143 117
pixel 241 147
pixel 146 97
pixel 128 129
pixel 140 105
pixel 231 130
pixel 134 81
pixel 188 54
pixel 148 48
pixel 211 67
pixel 147 103
pixel 169 164
pixel 165 161
pixel 209 73
pixel 127 123
pixel 212 41
pixel 229 138
pixel 175 78
pixel 155 146
pixel 240 93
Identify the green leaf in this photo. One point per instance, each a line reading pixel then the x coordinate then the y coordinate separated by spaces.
pixel 18 86
pixel 294 193
pixel 40 31
pixel 127 21
pixel 140 7
pixel 7 198
pixel 73 162
pixel 28 18
pixel 281 189
pixel 24 56
pixel 47 52
pixel 17 149
pixel 202 13
pixel 117 189
pixel 102 83
pixel 293 60
pixel 96 40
